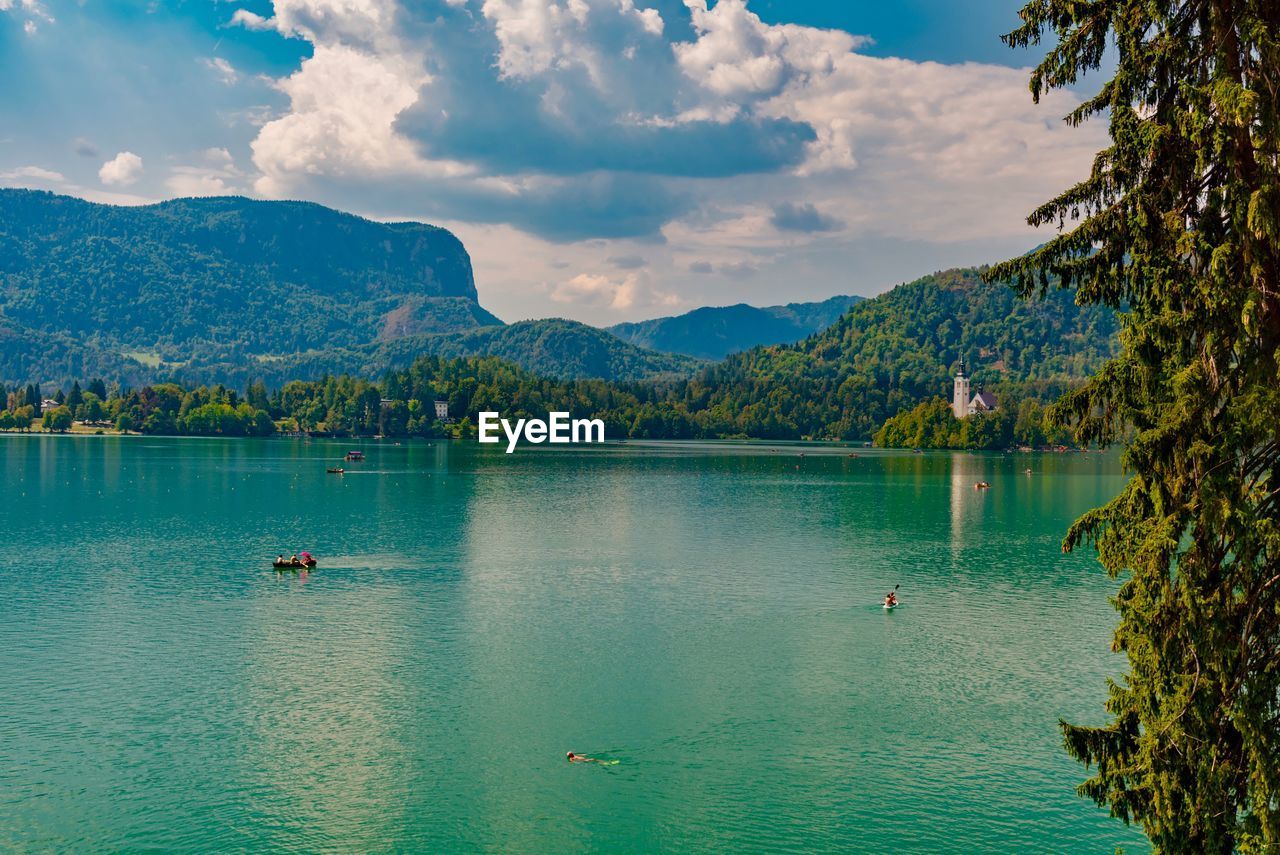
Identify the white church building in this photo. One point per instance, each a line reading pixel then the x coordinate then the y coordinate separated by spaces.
pixel 963 404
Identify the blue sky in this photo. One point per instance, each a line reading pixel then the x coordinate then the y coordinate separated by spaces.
pixel 604 160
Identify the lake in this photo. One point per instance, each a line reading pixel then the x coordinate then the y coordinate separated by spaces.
pixel 708 615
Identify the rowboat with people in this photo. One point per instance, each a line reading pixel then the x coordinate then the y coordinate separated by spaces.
pixel 301 561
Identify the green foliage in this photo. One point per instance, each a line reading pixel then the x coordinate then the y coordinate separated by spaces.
pixel 1177 222
pixel 554 347
pixel 212 280
pixel 889 353
pixel 58 419
pixel 716 332
pixel 932 425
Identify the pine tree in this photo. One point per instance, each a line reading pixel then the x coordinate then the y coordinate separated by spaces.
pixel 1179 223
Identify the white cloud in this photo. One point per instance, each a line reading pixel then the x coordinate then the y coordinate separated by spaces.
pixel 192 181
pixel 633 291
pixel 520 114
pixel 218 157
pixel 36 173
pixel 223 69
pixel 217 175
pixel 48 179
pixel 32 12
pixel 537 35
pixel 251 20
pixel 123 169
pixel 343 105
pixel 739 57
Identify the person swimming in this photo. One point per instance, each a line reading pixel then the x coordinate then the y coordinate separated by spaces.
pixel 578 758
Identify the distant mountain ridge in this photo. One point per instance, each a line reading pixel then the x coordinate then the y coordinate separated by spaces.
pixel 714 332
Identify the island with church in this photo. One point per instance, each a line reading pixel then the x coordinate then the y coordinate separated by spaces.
pixel 975 418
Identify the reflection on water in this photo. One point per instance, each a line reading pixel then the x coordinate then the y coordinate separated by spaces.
pixel 706 614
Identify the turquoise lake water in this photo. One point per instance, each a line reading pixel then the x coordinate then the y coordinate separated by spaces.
pixel 707 615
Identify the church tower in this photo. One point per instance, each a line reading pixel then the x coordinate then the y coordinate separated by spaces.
pixel 960 396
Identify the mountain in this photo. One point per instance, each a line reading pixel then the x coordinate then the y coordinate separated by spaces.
pixel 715 332
pixel 891 352
pixel 100 289
pixel 553 348
pixel 565 350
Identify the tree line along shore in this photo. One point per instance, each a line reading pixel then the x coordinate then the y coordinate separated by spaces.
pixel 403 403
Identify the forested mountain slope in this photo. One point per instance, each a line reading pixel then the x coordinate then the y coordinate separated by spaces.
pixel 891 352
pixel 714 332
pixel 89 288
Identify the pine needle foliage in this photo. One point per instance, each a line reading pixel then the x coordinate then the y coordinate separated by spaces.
pixel 1179 223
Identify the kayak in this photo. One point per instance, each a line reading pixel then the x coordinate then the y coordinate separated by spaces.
pixel 890 608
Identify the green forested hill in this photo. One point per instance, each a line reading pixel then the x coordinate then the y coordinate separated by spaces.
pixel 563 349
pixel 553 348
pixel 112 288
pixel 886 355
pixel 891 352
pixel 226 290
pixel 714 332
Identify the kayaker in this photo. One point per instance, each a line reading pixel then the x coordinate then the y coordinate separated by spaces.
pixel 891 599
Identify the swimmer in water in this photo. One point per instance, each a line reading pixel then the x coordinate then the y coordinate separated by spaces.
pixel 578 758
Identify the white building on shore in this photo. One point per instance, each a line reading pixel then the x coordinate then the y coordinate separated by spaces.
pixel 963 404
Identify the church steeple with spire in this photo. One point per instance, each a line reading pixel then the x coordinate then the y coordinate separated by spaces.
pixel 960 395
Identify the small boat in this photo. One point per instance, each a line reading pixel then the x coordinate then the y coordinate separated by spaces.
pixel 355 455
pixel 309 564
pixel 335 470
pixel 888 607
pixel 981 485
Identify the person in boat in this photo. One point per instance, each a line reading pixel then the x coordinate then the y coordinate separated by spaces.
pixel 294 562
pixel 578 758
pixel 306 558
pixel 891 599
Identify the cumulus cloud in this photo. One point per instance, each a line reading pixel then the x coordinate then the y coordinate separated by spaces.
pixel 742 59
pixel 251 20
pixel 575 119
pixel 633 291
pixel 194 181
pixel 343 105
pixel 122 170
pixel 215 174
